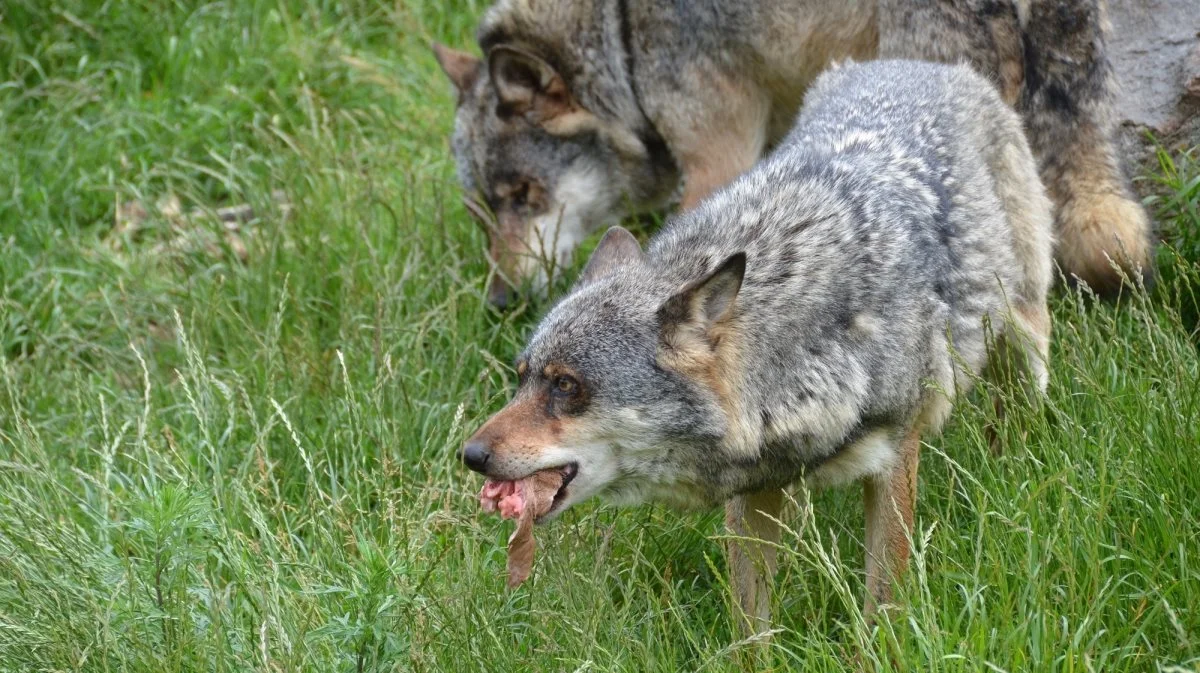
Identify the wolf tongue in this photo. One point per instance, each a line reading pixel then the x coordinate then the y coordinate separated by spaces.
pixel 537 493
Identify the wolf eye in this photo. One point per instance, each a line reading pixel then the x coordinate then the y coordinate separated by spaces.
pixel 520 195
pixel 565 385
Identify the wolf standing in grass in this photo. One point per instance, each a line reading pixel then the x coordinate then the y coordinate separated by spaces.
pixel 809 321
pixel 584 111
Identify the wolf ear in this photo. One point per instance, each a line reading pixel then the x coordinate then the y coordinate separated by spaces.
pixel 617 249
pixel 462 68
pixel 528 85
pixel 696 309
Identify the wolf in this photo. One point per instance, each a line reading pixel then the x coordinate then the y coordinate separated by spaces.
pixel 584 112
pixel 809 321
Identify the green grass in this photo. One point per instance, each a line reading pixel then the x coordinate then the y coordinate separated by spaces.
pixel 217 464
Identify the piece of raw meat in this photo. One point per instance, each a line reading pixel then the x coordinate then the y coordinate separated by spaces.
pixel 524 500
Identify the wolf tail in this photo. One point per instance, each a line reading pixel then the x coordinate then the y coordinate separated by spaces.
pixel 1067 103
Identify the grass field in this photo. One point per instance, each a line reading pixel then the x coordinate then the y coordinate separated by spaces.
pixel 237 453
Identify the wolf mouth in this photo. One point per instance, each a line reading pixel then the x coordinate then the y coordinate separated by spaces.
pixel 569 472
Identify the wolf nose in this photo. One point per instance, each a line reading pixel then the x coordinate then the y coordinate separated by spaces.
pixel 475 454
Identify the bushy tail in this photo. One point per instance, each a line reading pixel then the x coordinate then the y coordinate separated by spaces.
pixel 1067 105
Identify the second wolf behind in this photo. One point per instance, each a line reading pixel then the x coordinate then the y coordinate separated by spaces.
pixel 583 111
pixel 812 320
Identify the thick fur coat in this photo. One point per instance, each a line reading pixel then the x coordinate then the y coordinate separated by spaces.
pixel 585 111
pixel 809 320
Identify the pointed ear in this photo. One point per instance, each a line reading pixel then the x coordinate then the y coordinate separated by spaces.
pixel 617 249
pixel 462 68
pixel 528 85
pixel 696 309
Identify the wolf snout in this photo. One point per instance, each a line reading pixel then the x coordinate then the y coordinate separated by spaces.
pixel 476 454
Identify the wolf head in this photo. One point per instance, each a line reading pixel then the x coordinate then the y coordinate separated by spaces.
pixel 538 169
pixel 619 382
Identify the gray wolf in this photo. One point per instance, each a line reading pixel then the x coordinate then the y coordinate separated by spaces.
pixel 584 111
pixel 811 320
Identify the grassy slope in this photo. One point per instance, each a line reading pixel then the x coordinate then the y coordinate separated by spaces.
pixel 210 465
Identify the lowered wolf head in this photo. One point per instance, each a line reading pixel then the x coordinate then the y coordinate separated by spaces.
pixel 538 170
pixel 620 385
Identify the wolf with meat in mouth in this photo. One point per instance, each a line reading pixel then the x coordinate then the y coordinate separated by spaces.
pixel 809 321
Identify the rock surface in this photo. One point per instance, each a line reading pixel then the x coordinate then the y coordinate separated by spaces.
pixel 1155 49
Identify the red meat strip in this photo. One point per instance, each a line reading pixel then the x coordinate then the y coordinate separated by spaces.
pixel 524 500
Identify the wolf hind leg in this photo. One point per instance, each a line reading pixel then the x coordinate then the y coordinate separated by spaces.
pixel 1034 325
pixel 1020 352
pixel 1022 344
pixel 1028 210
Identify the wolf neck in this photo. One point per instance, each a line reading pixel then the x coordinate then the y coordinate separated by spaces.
pixel 656 145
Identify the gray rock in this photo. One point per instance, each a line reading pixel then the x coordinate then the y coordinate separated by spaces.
pixel 1155 48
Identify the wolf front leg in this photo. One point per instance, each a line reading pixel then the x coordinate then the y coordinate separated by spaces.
pixel 890 498
pixel 752 521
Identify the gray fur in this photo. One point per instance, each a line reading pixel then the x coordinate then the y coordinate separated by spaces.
pixel 700 89
pixel 887 220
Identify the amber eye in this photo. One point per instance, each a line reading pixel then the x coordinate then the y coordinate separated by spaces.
pixel 565 385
